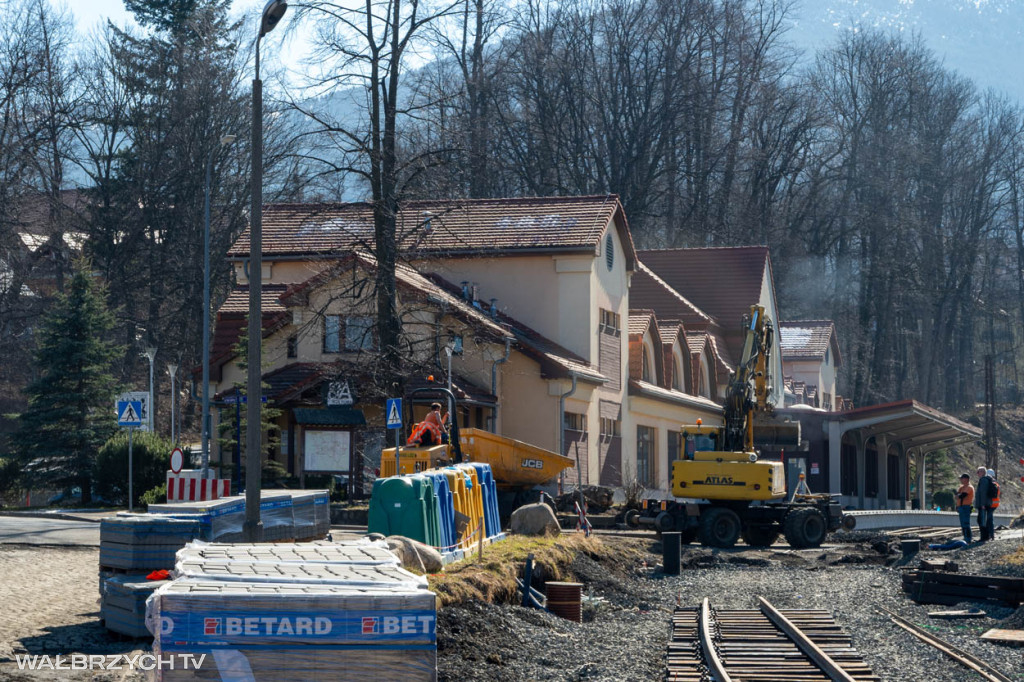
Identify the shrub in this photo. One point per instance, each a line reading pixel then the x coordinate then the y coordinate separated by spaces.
pixel 151 455
pixel 10 475
pixel 157 495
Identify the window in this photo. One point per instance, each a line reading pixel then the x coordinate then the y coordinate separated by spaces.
pixel 575 422
pixel 677 374
pixel 293 346
pixel 645 462
pixel 610 428
pixel 332 333
pixel 611 322
pixel 609 251
pixel 359 333
pixel 675 450
pixel 645 360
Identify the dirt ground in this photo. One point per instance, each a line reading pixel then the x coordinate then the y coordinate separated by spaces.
pixel 49 599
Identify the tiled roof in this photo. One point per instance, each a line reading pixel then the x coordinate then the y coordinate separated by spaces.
pixel 639 321
pixel 670 331
pixel 467 226
pixel 238 300
pixel 465 391
pixel 808 340
pixel 647 290
pixel 722 282
pixel 649 390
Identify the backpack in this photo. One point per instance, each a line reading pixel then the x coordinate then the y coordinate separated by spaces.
pixel 995 494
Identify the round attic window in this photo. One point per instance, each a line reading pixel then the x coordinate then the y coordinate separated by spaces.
pixel 609 251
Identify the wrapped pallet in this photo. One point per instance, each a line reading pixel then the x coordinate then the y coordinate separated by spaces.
pixel 282 632
pixel 123 603
pixel 304 503
pixel 387 576
pixel 361 551
pixel 221 520
pixel 144 542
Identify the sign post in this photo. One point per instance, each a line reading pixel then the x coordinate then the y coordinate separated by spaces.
pixel 129 414
pixel 393 410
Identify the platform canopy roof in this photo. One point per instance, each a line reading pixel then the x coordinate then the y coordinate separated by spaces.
pixel 910 423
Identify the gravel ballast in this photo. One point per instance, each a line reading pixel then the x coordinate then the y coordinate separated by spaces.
pixel 626 623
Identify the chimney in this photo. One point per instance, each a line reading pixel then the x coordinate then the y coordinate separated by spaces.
pixel 465 290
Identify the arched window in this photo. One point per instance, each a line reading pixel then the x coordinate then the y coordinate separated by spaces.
pixel 677 373
pixel 704 384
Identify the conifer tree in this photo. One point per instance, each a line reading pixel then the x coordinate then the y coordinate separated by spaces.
pixel 71 401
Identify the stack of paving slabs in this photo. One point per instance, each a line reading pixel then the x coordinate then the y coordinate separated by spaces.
pixel 221 520
pixel 277 517
pixel 144 542
pixel 123 603
pixel 311 512
pixel 364 552
pixel 384 575
pixel 285 632
pixel 131 546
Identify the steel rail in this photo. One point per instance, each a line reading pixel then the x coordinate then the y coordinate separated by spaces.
pixel 957 654
pixel 825 662
pixel 707 644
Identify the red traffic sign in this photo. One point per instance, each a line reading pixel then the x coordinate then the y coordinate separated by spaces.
pixel 177 460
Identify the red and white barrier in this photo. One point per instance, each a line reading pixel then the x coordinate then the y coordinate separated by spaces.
pixel 190 486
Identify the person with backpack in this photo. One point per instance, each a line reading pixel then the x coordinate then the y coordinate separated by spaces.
pixel 983 497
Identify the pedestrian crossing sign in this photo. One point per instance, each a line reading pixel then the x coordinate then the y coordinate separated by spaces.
pixel 129 413
pixel 394 413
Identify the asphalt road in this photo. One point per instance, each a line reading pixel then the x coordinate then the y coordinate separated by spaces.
pixel 41 531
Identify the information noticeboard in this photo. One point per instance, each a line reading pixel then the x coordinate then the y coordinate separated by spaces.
pixel 327 451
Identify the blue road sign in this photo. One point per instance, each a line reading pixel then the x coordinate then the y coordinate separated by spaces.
pixel 129 413
pixel 394 413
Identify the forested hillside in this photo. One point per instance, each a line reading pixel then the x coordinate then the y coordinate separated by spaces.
pixel 888 188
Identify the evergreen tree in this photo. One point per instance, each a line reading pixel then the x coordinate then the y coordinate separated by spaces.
pixel 71 402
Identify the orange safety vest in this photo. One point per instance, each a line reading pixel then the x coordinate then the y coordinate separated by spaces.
pixel 417 433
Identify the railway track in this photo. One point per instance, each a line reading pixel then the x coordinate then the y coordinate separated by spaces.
pixel 761 645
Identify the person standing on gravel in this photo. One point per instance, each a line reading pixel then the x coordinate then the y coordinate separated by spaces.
pixel 964 500
pixel 983 501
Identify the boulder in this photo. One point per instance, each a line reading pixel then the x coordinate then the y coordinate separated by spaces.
pixel 415 556
pixel 535 519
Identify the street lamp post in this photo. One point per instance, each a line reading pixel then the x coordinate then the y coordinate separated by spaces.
pixel 172 369
pixel 205 419
pixel 253 527
pixel 150 421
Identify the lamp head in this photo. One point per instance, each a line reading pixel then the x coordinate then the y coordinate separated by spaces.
pixel 227 139
pixel 150 353
pixel 272 14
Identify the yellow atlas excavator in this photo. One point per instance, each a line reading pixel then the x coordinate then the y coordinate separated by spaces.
pixel 724 490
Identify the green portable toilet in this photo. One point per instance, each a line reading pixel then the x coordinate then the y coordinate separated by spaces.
pixel 398 507
pixel 432 516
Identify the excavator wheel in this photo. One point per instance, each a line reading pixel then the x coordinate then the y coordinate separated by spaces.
pixel 805 528
pixel 719 527
pixel 758 535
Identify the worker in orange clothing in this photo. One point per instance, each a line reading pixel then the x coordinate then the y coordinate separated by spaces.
pixel 964 500
pixel 432 430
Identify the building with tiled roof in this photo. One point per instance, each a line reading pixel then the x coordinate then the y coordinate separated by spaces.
pixel 723 283
pixel 537 292
pixel 811 360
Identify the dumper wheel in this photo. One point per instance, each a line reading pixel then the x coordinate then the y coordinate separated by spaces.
pixel 760 535
pixel 805 528
pixel 719 527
